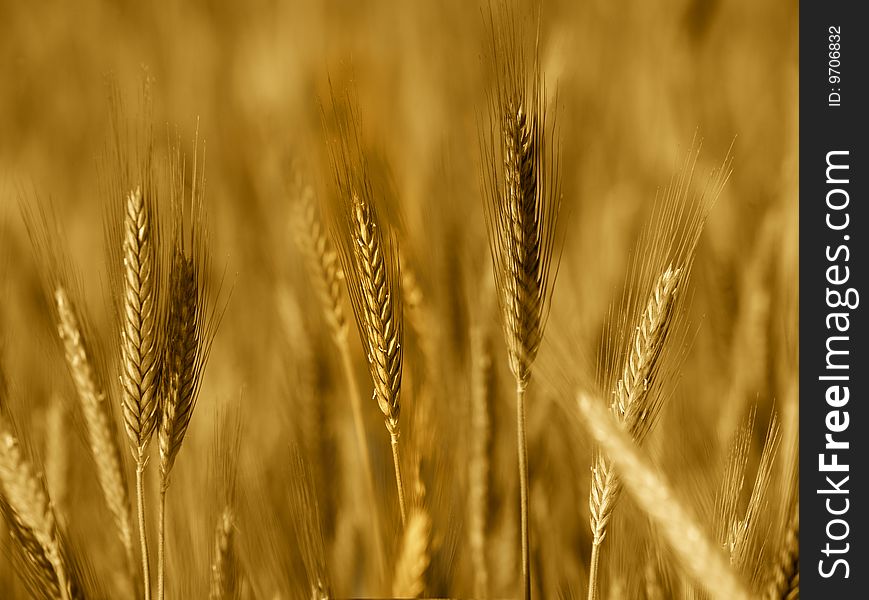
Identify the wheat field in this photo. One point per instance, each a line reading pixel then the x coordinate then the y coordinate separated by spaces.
pixel 329 299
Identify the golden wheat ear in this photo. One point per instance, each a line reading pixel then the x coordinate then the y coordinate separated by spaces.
pixel 321 260
pixel 370 259
pixel 192 312
pixel 191 318
pixel 522 201
pixel 140 343
pixel 132 227
pixel 41 555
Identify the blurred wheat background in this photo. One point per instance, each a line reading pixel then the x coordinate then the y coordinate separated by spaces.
pixel 269 495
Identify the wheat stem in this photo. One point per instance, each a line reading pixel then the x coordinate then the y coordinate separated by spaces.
pixel 522 450
pixel 592 570
pixel 393 437
pixel 143 538
pixel 161 545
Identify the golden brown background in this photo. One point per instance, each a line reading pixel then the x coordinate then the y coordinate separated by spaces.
pixel 634 81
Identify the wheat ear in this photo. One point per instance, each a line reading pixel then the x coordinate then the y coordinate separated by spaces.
pixel 522 202
pixel 324 271
pixel 191 323
pixel 698 555
pixel 181 379
pixel 321 260
pixel 414 558
pixel 634 404
pixel 370 259
pixel 140 348
pixel 97 416
pixel 32 521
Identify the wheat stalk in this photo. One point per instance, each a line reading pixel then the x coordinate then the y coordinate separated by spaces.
pixel 414 558
pixel 370 259
pixel 101 437
pixel 696 553
pixel 33 523
pixel 522 201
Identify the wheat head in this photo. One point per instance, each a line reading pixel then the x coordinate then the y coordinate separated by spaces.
pixel 101 436
pixel 322 262
pixel 140 348
pixel 634 405
pixel 33 523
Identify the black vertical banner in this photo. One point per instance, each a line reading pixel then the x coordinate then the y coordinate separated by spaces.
pixel 834 364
